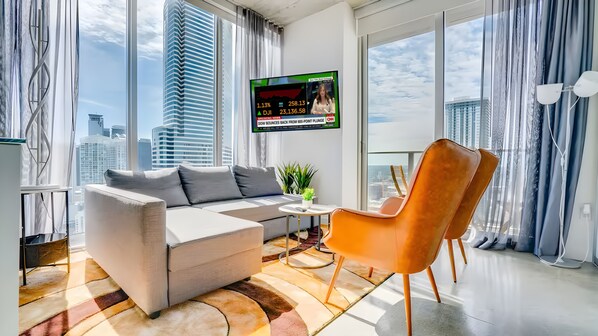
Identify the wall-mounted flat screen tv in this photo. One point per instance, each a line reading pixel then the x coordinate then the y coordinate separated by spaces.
pixel 295 103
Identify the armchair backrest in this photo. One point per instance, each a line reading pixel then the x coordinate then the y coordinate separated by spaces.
pixel 437 187
pixel 478 185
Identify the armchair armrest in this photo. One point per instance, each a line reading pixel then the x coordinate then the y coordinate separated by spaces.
pixel 362 236
pixel 126 236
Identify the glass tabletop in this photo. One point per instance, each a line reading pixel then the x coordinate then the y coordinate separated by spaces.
pixel 314 210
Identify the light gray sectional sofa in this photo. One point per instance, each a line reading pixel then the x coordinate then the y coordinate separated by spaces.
pixel 167 236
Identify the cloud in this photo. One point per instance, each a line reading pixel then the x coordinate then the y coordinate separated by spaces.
pixel 94 103
pixel 463 59
pixel 105 21
pixel 401 84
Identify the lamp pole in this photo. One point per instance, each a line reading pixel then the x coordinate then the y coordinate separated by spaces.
pixel 548 94
pixel 558 260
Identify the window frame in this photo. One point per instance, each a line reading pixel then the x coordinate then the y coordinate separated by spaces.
pixel 220 12
pixel 440 22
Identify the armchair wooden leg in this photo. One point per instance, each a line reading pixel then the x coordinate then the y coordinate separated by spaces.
pixel 462 250
pixel 370 272
pixel 407 292
pixel 433 283
pixel 337 270
pixel 452 256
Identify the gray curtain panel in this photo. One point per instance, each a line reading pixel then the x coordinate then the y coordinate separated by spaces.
pixel 511 29
pixel 258 55
pixel 565 52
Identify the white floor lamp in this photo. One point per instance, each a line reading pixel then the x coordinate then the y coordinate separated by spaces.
pixel 547 94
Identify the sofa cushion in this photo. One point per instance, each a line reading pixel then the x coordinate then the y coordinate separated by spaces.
pixel 196 237
pixel 208 184
pixel 256 209
pixel 255 181
pixel 164 184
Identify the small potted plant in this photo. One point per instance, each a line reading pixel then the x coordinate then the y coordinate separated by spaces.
pixel 308 198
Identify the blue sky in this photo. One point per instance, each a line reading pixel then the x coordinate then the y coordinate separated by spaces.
pixel 401 87
pixel 102 78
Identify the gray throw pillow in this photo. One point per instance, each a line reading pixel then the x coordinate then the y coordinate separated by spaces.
pixel 208 184
pixel 254 181
pixel 164 184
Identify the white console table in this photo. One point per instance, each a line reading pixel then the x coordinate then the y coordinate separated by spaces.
pixel 10 203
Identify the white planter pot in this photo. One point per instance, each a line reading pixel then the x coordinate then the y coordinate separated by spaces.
pixel 307 204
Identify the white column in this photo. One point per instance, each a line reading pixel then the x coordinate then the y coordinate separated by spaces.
pixel 10 205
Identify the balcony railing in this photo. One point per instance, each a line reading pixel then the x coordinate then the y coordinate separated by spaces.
pixel 411 158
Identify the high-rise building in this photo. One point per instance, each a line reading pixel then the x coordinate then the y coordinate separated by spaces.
pixel 227 66
pixel 93 152
pixel 77 175
pixel 97 153
pixel 227 156
pixel 95 124
pixel 467 121
pixel 144 154
pixel 118 131
pixel 187 134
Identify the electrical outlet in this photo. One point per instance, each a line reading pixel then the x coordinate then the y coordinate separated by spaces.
pixel 586 211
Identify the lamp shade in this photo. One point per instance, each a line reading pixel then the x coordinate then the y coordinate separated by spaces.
pixel 587 84
pixel 549 93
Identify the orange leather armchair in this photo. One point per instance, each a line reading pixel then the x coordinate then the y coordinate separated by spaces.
pixel 470 201
pixel 407 241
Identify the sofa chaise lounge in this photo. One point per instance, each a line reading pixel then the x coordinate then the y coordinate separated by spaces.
pixel 167 236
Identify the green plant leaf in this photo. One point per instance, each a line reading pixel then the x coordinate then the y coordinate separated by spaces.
pixel 286 174
pixel 308 194
pixel 303 176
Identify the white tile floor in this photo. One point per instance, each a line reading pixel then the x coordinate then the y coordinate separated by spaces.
pixel 498 293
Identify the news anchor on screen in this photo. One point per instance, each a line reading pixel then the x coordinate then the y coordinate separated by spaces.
pixel 323 104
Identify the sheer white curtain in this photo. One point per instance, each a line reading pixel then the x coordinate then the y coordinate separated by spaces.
pixel 40 96
pixel 511 29
pixel 257 55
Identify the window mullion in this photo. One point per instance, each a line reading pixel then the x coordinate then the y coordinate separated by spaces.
pixel 218 94
pixel 131 61
pixel 439 75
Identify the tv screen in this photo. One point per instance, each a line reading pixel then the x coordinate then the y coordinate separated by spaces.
pixel 298 102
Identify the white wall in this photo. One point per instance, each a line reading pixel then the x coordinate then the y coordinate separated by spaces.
pixel 332 152
pixel 10 182
pixel 588 179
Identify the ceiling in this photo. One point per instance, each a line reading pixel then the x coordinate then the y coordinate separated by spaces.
pixel 283 12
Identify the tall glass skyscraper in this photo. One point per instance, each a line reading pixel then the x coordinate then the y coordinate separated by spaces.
pixel 467 121
pixel 189 88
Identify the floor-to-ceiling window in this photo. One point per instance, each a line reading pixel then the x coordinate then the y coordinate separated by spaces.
pixel 423 82
pixel 183 91
pixel 185 68
pixel 467 118
pixel 102 109
pixel 400 103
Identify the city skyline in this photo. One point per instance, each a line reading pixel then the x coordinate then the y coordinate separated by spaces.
pixel 99 151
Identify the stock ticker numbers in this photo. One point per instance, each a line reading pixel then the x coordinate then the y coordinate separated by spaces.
pixel 290 111
pixel 296 103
